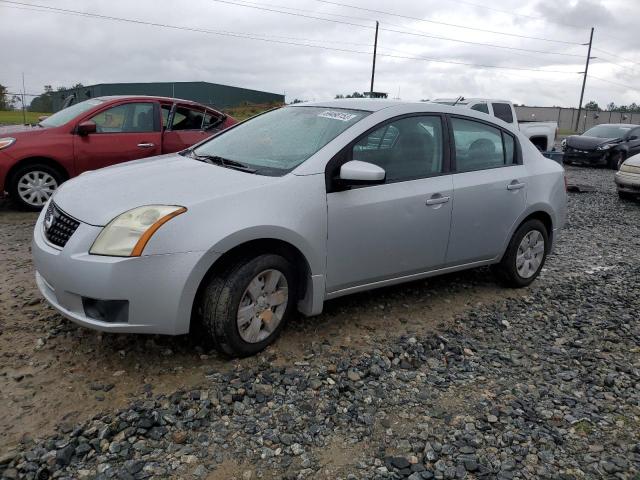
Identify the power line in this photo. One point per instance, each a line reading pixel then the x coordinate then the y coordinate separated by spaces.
pixel 253 37
pixel 629 87
pixel 616 56
pixel 404 32
pixel 441 23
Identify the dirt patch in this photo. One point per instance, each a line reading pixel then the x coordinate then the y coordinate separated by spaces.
pixel 54 372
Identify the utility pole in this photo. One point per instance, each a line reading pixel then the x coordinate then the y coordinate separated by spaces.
pixel 373 69
pixel 584 80
pixel 24 113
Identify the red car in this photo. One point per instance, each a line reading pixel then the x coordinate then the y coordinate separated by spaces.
pixel 102 131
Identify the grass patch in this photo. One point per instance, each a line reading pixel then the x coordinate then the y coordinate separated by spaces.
pixel 583 428
pixel 14 117
pixel 566 131
pixel 243 112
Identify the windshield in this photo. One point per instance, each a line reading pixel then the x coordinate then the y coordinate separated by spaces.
pixel 69 113
pixel 608 131
pixel 278 141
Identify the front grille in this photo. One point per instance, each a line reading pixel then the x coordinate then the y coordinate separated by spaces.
pixel 58 226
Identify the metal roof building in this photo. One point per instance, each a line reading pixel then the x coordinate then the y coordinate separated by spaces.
pixel 212 94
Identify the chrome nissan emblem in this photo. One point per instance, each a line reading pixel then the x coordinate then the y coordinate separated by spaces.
pixel 48 222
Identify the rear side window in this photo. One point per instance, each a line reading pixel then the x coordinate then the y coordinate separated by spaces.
pixel 479 146
pixel 481 107
pixel 503 112
pixel 187 119
pixel 211 120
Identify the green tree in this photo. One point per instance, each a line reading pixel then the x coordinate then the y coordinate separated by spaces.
pixel 592 105
pixel 4 98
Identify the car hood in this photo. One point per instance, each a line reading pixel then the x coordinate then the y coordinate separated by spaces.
pixel 633 161
pixel 97 197
pixel 5 130
pixel 582 142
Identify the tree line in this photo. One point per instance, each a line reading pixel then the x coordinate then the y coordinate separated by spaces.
pixel 41 103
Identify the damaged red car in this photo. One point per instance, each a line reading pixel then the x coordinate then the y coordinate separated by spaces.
pixel 102 131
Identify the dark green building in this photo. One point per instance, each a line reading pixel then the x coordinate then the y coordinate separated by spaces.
pixel 212 94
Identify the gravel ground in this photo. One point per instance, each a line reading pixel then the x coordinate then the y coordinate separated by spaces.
pixel 542 383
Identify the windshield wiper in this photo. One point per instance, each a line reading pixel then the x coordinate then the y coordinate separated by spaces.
pixel 224 162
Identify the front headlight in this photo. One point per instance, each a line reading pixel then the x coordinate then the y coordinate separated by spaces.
pixel 128 234
pixel 6 142
pixel 604 147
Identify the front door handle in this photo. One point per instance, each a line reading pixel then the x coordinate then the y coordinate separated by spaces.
pixel 437 199
pixel 146 145
pixel 515 185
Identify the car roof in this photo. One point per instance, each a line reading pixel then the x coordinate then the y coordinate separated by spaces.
pixel 366 104
pixel 631 125
pixel 467 100
pixel 107 98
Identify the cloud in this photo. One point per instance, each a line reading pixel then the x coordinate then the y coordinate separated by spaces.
pixel 66 49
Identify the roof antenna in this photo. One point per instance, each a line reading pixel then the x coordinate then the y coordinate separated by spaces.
pixel 459 99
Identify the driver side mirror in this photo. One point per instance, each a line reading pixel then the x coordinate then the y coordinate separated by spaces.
pixel 356 172
pixel 85 128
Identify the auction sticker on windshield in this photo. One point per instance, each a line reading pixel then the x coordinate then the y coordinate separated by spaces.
pixel 342 116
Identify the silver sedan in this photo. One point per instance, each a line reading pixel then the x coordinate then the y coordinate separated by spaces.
pixel 293 207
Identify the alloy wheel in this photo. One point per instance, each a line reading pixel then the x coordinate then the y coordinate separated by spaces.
pixel 530 254
pixel 262 306
pixel 36 187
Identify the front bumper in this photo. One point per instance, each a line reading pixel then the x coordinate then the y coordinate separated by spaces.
pixel 628 182
pixel 589 157
pixel 156 290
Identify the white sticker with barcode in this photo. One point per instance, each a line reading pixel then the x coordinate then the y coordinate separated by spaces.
pixel 342 116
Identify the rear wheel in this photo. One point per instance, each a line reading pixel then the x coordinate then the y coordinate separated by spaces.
pixel 32 185
pixel 625 195
pixel 245 307
pixel 525 255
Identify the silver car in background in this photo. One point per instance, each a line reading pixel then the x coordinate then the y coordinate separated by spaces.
pixel 293 207
pixel 628 178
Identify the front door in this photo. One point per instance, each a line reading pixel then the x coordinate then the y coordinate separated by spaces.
pixel 124 132
pixel 398 228
pixel 490 191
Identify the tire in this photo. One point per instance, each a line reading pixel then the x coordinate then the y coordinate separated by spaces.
pixel 616 160
pixel 507 270
pixel 626 195
pixel 26 179
pixel 226 292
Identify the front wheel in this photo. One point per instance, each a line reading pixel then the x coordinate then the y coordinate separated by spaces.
pixel 525 255
pixel 245 307
pixel 32 185
pixel 616 160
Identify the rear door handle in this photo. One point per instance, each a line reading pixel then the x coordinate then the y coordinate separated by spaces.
pixel 515 186
pixel 146 145
pixel 437 199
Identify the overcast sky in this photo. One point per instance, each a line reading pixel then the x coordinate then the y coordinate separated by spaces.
pixel 57 49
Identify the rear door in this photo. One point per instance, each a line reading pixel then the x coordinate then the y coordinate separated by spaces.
pixel 490 186
pixel 185 128
pixel 126 131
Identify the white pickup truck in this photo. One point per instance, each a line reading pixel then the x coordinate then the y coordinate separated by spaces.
pixel 541 134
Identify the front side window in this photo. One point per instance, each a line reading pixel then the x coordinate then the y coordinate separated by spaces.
pixel 503 112
pixel 481 107
pixel 187 119
pixel 127 118
pixel 406 149
pixel 480 146
pixel 276 142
